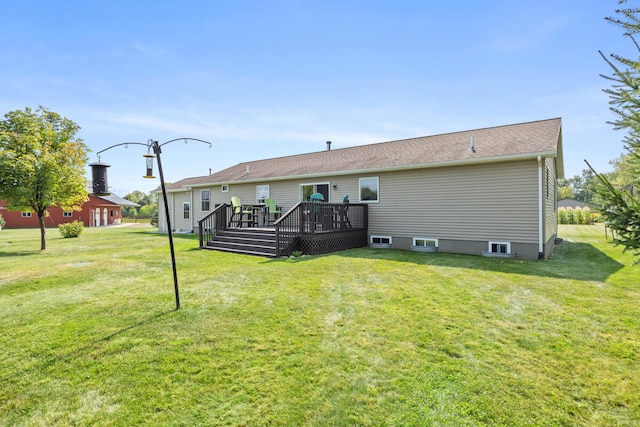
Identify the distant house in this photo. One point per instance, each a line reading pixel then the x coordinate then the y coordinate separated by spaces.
pixel 483 191
pixel 568 202
pixel 97 211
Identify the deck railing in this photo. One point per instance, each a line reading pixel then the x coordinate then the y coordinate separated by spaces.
pixel 211 224
pixel 303 223
pixel 317 218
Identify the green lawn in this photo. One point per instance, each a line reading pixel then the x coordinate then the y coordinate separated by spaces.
pixel 361 337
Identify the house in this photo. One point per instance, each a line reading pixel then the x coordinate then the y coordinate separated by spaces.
pixel 488 191
pixel 568 202
pixel 96 211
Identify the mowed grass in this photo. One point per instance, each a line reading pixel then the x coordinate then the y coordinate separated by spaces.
pixel 89 335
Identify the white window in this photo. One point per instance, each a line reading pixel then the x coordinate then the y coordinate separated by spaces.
pixel 381 241
pixel 424 244
pixel 186 210
pixel 369 189
pixel 262 193
pixel 224 188
pixel 501 248
pixel 26 214
pixel 67 214
pixel 205 200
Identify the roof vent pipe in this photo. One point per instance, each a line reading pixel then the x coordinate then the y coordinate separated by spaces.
pixel 328 145
pixel 473 145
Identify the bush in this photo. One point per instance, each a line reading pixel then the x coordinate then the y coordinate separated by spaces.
pixel 576 216
pixel 2 221
pixel 71 229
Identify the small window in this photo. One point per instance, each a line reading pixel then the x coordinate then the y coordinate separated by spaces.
pixel 224 188
pixel 424 244
pixel 26 214
pixel 67 214
pixel 262 193
pixel 501 248
pixel 369 189
pixel 186 210
pixel 205 200
pixel 381 241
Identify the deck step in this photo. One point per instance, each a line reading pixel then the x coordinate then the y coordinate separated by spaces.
pixel 257 241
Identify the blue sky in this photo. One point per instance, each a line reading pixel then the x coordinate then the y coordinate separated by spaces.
pixel 269 78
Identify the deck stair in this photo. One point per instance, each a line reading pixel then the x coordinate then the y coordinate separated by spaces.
pixel 249 241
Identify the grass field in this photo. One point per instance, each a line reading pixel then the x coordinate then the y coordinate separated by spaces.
pixel 360 337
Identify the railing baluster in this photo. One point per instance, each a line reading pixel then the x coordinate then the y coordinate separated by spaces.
pixel 210 224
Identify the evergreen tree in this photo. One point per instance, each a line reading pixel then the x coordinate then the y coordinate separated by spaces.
pixel 620 207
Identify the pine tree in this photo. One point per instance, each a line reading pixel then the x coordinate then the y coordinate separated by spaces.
pixel 621 206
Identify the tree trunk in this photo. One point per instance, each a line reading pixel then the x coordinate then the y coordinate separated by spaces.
pixel 43 233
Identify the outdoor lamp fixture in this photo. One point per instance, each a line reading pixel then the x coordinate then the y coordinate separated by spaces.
pixel 149 159
pixel 156 148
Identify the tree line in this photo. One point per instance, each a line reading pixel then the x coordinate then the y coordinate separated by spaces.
pixel 585 187
pixel 148 205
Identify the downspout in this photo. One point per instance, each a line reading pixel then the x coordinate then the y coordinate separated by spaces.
pixel 173 209
pixel 193 209
pixel 540 209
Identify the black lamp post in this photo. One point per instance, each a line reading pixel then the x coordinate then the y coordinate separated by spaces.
pixel 156 148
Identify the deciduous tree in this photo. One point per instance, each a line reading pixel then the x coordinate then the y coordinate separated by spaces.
pixel 41 163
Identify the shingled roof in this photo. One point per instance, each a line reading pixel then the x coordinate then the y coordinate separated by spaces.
pixel 501 143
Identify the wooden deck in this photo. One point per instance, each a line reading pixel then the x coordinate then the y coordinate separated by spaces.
pixel 309 227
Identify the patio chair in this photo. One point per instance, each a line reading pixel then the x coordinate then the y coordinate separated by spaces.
pixel 316 197
pixel 240 214
pixel 272 211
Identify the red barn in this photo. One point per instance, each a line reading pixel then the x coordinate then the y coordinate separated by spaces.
pixel 96 212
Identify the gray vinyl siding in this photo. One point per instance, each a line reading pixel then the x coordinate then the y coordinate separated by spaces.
pixel 464 207
pixel 177 221
pixel 473 203
pixel 550 203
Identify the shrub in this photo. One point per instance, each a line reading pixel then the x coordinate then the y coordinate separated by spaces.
pixel 2 221
pixel 576 216
pixel 71 229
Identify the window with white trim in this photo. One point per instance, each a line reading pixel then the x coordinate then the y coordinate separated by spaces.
pixel 424 243
pixel 26 214
pixel 224 188
pixel 306 190
pixel 67 214
pixel 205 200
pixel 384 241
pixel 262 193
pixel 369 189
pixel 186 210
pixel 499 248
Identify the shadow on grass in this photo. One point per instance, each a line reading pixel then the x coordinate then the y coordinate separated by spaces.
pixel 21 253
pixel 135 325
pixel 571 260
pixel 52 360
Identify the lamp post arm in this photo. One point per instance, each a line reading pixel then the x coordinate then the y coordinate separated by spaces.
pixel 118 145
pixel 185 141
